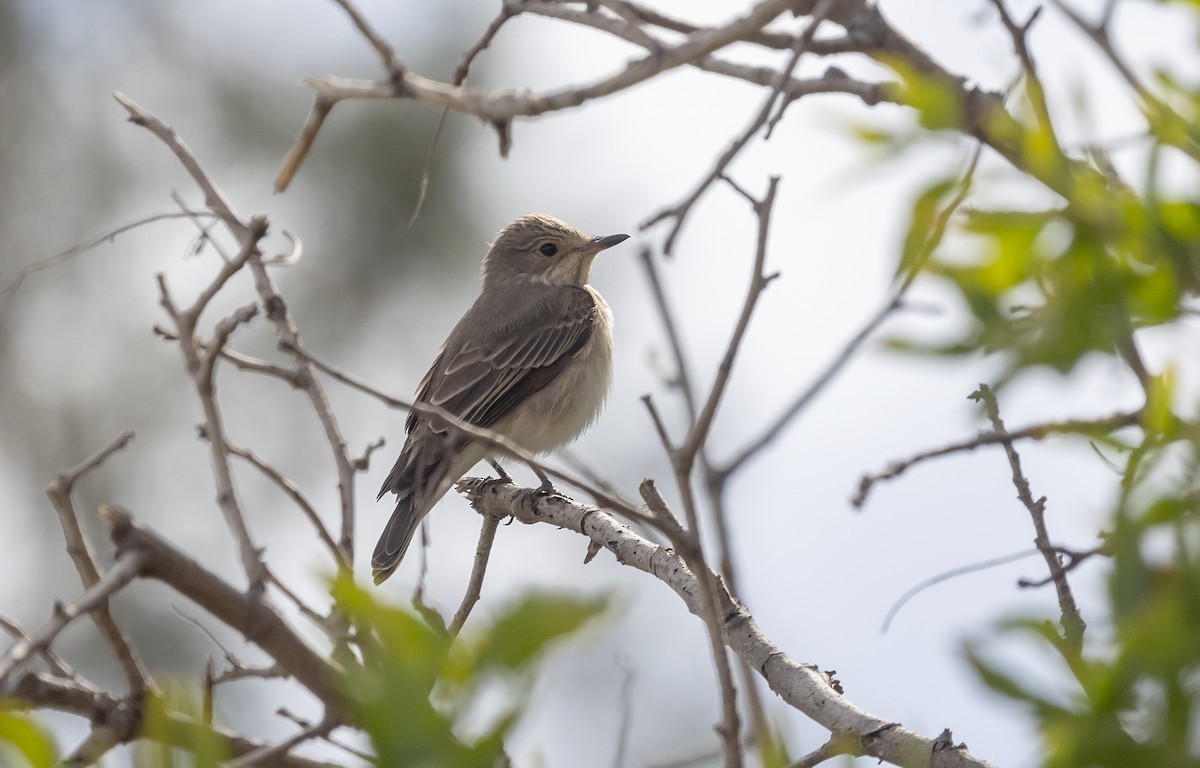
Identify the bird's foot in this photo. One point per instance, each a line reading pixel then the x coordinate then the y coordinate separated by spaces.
pixel 547 487
pixel 501 475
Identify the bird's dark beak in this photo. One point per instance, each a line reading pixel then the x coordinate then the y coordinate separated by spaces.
pixel 608 241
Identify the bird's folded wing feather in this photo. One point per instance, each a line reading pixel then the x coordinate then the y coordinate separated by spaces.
pixel 483 381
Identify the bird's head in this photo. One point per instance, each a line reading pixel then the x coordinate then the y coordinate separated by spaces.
pixel 541 249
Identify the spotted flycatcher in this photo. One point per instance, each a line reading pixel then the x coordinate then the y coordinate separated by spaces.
pixel 530 360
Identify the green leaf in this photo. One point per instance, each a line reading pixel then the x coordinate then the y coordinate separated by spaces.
pixel 528 627
pixel 920 228
pixel 202 746
pixel 1158 417
pixel 938 101
pixel 24 737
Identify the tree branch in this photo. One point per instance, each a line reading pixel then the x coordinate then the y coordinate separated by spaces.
pixel 801 686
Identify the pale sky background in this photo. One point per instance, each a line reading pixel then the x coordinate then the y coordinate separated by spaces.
pixel 818 576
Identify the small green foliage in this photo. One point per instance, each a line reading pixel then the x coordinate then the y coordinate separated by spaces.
pixel 1136 701
pixel 521 634
pixel 938 102
pixel 917 240
pixel 24 743
pixel 1046 285
pixel 417 693
pixel 168 744
pixel 771 747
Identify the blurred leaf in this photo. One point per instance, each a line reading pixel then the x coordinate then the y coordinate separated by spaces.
pixel 418 688
pixel 201 747
pixel 924 214
pixel 1008 685
pixel 24 741
pixel 938 102
pixel 1158 418
pixel 526 629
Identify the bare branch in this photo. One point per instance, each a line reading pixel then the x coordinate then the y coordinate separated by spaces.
pixel 483 550
pixel 213 197
pixel 499 108
pixel 759 280
pixel 679 212
pixel 895 302
pixel 59 492
pixel 59 667
pixel 83 247
pixel 1033 432
pixel 801 686
pixel 387 57
pixel 946 576
pixel 244 612
pixel 508 9
pixel 683 379
pixel 294 493
pixel 289 340
pixel 270 754
pixel 124 718
pixel 1072 622
pixel 200 367
pixel 124 571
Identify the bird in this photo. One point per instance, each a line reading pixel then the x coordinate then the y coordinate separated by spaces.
pixel 530 360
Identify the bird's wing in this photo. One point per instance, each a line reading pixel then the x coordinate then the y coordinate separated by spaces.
pixel 482 381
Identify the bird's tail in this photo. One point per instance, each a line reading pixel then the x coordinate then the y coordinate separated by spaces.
pixel 396 537
pixel 422 475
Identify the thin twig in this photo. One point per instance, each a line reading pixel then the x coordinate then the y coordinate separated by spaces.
pixel 59 667
pixel 625 706
pixel 1075 558
pixel 682 379
pixel 387 57
pixel 125 570
pixel 680 211
pixel 759 280
pixel 1072 622
pixel 895 301
pixel 500 108
pixel 267 755
pixel 321 621
pixel 946 576
pixel 483 550
pixel 199 364
pixel 60 494
pixel 294 493
pixel 508 9
pixel 213 197
pixel 289 340
pixel 1032 432
pixel 83 247
pixel 840 743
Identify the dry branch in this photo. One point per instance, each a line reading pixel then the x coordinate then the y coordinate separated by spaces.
pixel 801 686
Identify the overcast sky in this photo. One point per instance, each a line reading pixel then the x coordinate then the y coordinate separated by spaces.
pixel 818 576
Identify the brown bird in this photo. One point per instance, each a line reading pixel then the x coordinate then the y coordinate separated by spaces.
pixel 530 360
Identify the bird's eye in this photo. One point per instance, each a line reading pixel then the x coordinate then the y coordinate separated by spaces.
pixel 548 249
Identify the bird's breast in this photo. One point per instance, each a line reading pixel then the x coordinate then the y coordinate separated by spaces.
pixel 560 411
